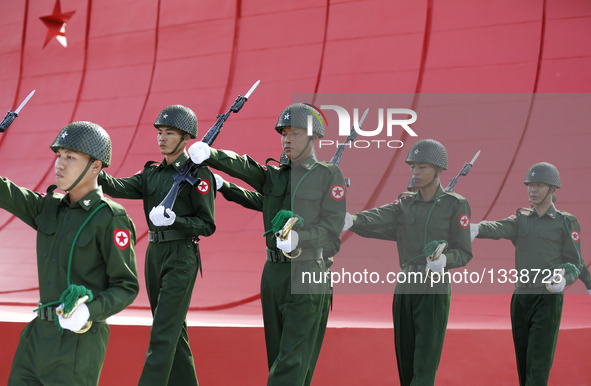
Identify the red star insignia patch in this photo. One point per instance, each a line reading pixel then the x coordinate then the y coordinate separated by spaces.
pixel 464 221
pixel 203 187
pixel 337 192
pixel 121 238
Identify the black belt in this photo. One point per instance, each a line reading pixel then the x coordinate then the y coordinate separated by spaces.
pixel 46 313
pixel 529 285
pixel 164 236
pixel 415 268
pixel 276 256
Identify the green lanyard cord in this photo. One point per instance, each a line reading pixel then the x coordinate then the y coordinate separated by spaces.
pixel 426 225
pixel 70 259
pixel 298 184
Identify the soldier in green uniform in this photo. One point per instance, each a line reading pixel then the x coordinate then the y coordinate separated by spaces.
pixel 420 310
pixel 292 308
pixel 545 239
pixel 254 200
pixel 83 240
pixel 172 257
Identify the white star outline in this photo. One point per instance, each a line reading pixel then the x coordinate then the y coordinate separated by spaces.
pixel 286 116
pixel 416 151
pixel 164 116
pixel 64 134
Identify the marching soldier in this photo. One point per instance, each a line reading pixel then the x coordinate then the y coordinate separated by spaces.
pixel 418 222
pixel 292 309
pixel 172 257
pixel 547 242
pixel 85 245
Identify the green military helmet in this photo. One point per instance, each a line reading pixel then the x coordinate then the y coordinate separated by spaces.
pixel 178 117
pixel 86 138
pixel 543 172
pixel 296 115
pixel 428 151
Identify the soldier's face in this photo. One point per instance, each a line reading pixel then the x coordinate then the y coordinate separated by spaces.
pixel 422 174
pixel 538 192
pixel 294 141
pixel 68 167
pixel 168 138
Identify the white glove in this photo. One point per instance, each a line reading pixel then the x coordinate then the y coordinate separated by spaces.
pixel 157 216
pixel 77 320
pixel 473 231
pixel 199 152
pixel 219 181
pixel 437 265
pixel 589 291
pixel 290 243
pixel 557 287
pixel 348 221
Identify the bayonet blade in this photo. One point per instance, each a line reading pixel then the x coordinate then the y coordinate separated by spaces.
pixel 474 159
pixel 24 102
pixel 254 86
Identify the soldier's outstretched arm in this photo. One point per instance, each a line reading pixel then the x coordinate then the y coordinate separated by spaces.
pixel 377 223
pixel 128 187
pixel 21 202
pixel 246 198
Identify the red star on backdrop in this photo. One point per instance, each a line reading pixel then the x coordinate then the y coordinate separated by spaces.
pixel 56 24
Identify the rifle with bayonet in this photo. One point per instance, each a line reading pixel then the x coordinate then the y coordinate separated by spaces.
pixel 11 115
pixel 336 158
pixel 189 170
pixel 465 169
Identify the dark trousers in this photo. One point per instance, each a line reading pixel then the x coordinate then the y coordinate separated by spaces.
pixel 535 321
pixel 420 323
pixel 293 322
pixel 45 356
pixel 171 271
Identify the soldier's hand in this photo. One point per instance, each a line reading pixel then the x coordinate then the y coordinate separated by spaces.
pixel 77 319
pixel 290 243
pixel 159 219
pixel 219 181
pixel 473 231
pixel 348 221
pixel 437 265
pixel 199 152
pixel 558 283
pixel 589 291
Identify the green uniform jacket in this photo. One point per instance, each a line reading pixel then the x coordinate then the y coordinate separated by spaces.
pixel 194 206
pixel 104 257
pixel 254 200
pixel 322 210
pixel 540 242
pixel 404 221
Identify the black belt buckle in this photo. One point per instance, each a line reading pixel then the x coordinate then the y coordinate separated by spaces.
pixel 46 313
pixel 153 236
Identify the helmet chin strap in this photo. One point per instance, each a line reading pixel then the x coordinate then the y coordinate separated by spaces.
pixel 178 144
pixel 434 178
pixel 303 150
pixel 547 194
pixel 81 175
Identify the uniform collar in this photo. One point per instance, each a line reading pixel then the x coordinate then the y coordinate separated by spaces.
pixel 551 212
pixel 87 202
pixel 438 192
pixel 178 163
pixel 308 162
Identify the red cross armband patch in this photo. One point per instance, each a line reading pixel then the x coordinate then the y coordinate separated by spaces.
pixel 337 192
pixel 203 187
pixel 121 238
pixel 576 236
pixel 464 221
